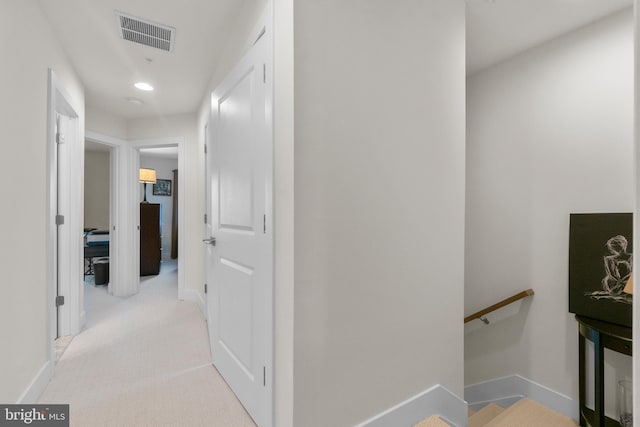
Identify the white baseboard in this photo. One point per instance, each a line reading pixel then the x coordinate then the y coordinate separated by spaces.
pixel 37 386
pixel 435 401
pixel 194 297
pixel 506 390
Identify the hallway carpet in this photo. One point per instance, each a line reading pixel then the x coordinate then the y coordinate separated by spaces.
pixel 143 361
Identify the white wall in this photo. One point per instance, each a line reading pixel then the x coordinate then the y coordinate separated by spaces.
pixel 284 249
pixel 96 189
pixel 105 123
pixel 549 133
pixel 23 169
pixel 379 205
pixel 164 170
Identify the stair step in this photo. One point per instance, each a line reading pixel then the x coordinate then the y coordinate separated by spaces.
pixel 484 415
pixel 432 421
pixel 527 413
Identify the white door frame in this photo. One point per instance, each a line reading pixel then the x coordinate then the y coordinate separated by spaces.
pixel 119 227
pixel 71 320
pixel 263 31
pixel 183 294
pixel 124 274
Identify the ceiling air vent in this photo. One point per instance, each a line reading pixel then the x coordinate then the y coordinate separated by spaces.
pixel 145 32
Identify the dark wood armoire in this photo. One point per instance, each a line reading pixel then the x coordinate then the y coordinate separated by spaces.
pixel 150 243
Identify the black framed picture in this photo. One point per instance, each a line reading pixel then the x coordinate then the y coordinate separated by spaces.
pixel 162 187
pixel 600 263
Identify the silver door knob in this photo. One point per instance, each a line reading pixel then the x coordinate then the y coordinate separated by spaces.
pixel 211 241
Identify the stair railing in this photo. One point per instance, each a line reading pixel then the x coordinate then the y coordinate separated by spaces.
pixel 482 313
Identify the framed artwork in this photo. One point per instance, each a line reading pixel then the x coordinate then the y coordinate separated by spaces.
pixel 600 263
pixel 162 187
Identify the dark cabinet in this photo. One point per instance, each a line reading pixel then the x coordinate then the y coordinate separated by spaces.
pixel 149 239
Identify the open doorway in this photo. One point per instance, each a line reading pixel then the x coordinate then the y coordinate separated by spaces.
pixel 167 159
pixel 159 214
pixel 97 217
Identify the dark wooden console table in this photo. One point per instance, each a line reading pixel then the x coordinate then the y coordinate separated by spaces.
pixel 603 335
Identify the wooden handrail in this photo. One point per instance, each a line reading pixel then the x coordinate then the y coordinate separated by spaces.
pixel 501 304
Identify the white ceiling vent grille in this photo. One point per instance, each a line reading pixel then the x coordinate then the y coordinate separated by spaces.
pixel 145 32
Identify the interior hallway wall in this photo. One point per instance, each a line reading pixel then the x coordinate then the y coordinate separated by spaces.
pixel 23 170
pixel 105 123
pixel 549 133
pixel 379 205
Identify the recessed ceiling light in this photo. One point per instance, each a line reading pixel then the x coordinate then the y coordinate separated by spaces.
pixel 144 86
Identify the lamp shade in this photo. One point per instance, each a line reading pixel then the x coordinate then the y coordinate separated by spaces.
pixel 148 176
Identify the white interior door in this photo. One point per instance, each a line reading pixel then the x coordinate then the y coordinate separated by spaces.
pixel 240 282
pixel 63 235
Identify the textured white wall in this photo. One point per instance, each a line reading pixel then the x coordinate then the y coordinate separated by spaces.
pixel 379 204
pixel 549 133
pixel 96 189
pixel 23 170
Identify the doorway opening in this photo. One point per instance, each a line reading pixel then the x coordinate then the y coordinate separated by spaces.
pixel 165 202
pixel 159 213
pixel 98 193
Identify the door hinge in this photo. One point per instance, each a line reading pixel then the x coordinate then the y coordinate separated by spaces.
pixel 264 376
pixel 264 224
pixel 59 219
pixel 60 138
pixel 59 300
pixel 264 73
pixel 205 218
pixel 205 288
pixel 205 148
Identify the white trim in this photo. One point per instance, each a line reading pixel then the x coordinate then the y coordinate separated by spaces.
pixel 125 239
pixel 115 271
pixel 436 400
pixel 191 295
pixel 636 223
pixel 514 387
pixel 70 204
pixel 38 384
pixel 60 101
pixel 122 227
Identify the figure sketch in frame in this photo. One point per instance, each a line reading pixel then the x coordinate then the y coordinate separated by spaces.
pixel 617 267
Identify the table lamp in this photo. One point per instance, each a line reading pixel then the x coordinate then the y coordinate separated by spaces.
pixel 147 176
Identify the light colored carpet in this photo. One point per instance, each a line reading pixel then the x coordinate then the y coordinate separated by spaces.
pixel 527 413
pixel 433 421
pixel 143 361
pixel 485 415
